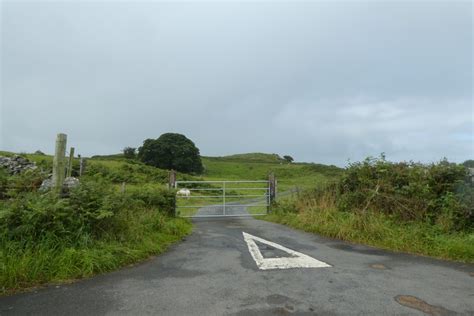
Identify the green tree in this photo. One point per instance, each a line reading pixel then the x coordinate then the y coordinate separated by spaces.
pixel 468 163
pixel 171 151
pixel 288 159
pixel 130 152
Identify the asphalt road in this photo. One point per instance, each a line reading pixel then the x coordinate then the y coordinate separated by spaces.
pixel 230 209
pixel 213 273
pixel 233 208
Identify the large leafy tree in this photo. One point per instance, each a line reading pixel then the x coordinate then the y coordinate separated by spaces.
pixel 171 151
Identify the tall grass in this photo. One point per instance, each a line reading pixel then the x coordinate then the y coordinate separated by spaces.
pixel 94 229
pixel 379 204
pixel 375 229
pixel 50 259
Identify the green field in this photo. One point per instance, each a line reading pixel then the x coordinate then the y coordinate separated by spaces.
pixel 254 167
pixel 259 166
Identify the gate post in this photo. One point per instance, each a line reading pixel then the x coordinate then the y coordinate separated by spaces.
pixel 172 185
pixel 82 165
pixel 69 163
pixel 59 163
pixel 172 179
pixel 272 186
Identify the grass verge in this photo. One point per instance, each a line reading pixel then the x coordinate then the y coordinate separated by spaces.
pixel 408 207
pixel 382 231
pixel 52 260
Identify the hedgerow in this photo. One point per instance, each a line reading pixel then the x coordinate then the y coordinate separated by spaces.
pixel 420 208
pixel 437 192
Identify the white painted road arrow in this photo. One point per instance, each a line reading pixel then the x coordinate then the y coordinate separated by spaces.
pixel 297 259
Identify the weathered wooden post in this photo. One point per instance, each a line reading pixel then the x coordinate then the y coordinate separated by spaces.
pixel 59 163
pixel 82 165
pixel 69 165
pixel 172 179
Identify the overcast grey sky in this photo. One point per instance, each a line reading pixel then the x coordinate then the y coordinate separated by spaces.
pixel 321 81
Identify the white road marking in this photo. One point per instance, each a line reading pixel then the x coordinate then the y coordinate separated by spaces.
pixel 298 259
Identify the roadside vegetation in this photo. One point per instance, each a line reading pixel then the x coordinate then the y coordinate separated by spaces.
pixel 408 207
pixel 94 228
pixel 122 212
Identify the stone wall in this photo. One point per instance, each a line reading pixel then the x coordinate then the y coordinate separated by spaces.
pixel 16 164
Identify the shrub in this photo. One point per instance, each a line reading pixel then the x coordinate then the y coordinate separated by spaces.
pixel 97 169
pixel 93 209
pixel 130 152
pixel 150 196
pixel 14 185
pixel 411 191
pixel 424 209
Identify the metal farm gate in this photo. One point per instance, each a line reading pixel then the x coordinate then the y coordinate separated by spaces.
pixel 224 198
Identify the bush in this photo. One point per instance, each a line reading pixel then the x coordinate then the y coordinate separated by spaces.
pixel 96 228
pixel 130 152
pixel 150 196
pixel 14 185
pixel 411 191
pixel 97 169
pixel 93 209
pixel 424 209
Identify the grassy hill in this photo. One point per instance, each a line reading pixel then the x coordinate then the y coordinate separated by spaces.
pixel 250 166
pixel 251 157
pixel 257 167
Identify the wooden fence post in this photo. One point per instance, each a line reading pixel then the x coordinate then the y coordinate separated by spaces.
pixel 82 166
pixel 172 179
pixel 69 165
pixel 59 163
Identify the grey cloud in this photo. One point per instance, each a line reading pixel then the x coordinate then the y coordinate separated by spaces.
pixel 321 81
